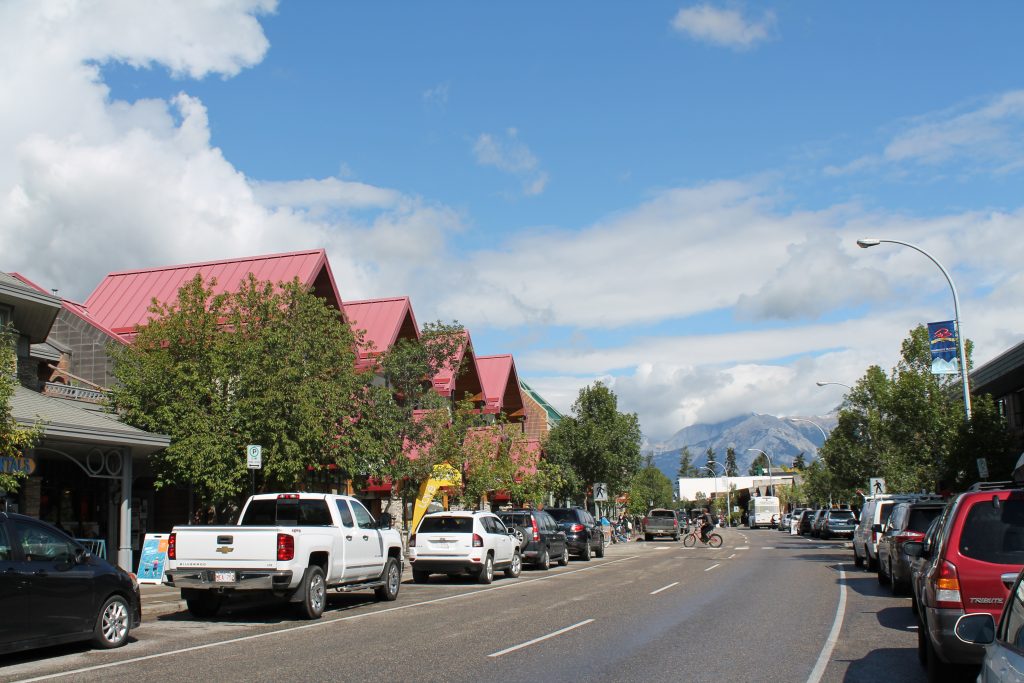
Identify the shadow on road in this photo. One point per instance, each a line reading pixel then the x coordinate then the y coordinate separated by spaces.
pixel 260 610
pixel 898 618
pixel 885 664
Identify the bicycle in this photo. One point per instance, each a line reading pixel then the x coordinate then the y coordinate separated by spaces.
pixel 690 540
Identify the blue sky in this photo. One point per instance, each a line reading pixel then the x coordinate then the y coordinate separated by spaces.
pixel 663 195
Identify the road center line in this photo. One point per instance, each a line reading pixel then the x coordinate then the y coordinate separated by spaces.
pixel 743 547
pixel 713 566
pixel 665 588
pixel 833 636
pixel 537 640
pixel 315 624
pixel 731 556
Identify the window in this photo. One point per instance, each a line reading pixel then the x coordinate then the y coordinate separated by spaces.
pixel 921 518
pixel 840 514
pixel 563 515
pixel 994 534
pixel 663 513
pixel 287 512
pixel 442 525
pixel 364 520
pixel 1013 626
pixel 346 514
pixel 5 544
pixel 41 544
pixel 493 525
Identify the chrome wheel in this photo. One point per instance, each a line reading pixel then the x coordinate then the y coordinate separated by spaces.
pixel 115 622
pixel 317 591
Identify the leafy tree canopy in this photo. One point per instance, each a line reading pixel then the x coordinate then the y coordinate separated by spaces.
pixel 14 439
pixel 649 487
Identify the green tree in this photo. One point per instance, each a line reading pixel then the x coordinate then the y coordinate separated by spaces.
pixel 759 466
pixel 597 443
pixel 710 460
pixel 686 468
pixel 908 427
pixel 269 364
pixel 648 486
pixel 798 462
pixel 14 439
pixel 731 468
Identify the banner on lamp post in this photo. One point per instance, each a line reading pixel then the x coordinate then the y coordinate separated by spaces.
pixel 943 343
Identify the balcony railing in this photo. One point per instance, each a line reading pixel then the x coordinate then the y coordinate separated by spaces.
pixel 76 393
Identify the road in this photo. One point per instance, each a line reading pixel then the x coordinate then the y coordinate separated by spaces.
pixel 766 606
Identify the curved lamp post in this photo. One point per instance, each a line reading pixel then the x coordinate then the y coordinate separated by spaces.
pixel 802 419
pixel 771 479
pixel 873 242
pixel 838 384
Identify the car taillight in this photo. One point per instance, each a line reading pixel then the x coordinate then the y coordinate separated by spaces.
pixel 478 542
pixel 909 535
pixel 645 521
pixel 287 496
pixel 172 547
pixel 285 547
pixel 576 528
pixel 675 523
pixel 536 533
pixel 947 586
pixel 412 540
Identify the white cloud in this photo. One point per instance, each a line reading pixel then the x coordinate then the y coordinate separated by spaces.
pixel 507 153
pixel 437 95
pixel 725 27
pixel 324 193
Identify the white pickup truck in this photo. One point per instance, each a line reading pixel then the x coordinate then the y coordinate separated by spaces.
pixel 292 545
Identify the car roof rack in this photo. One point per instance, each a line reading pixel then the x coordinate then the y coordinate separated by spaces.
pixel 991 485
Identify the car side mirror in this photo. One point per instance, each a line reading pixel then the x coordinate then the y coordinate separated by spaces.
pixel 385 521
pixel 976 629
pixel 913 548
pixel 510 530
pixel 81 556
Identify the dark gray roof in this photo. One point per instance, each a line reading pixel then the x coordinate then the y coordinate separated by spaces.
pixel 34 311
pixel 1002 375
pixel 64 420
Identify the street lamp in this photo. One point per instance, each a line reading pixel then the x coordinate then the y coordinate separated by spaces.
pixel 728 494
pixel 839 384
pixel 802 419
pixel 771 480
pixel 873 242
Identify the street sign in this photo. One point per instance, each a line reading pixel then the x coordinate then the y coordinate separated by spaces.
pixel 600 493
pixel 254 456
pixel 983 468
pixel 876 486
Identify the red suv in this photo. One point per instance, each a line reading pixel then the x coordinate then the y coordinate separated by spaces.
pixel 976 555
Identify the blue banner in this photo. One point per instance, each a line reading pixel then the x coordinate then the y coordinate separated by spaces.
pixel 942 338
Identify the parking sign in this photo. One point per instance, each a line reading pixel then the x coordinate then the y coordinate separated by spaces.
pixel 254 456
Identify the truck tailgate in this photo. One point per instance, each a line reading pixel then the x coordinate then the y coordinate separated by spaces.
pixel 239 547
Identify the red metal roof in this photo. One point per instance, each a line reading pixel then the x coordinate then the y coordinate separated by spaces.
pixel 444 380
pixel 500 383
pixel 121 301
pixel 383 322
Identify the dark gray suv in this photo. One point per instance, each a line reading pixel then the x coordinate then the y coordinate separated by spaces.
pixel 540 539
pixel 583 533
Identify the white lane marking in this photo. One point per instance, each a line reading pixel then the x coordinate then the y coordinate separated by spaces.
pixel 537 640
pixel 665 588
pixel 833 635
pixel 316 624
pixel 743 547
pixel 767 547
pixel 661 547
pixel 731 556
pixel 713 566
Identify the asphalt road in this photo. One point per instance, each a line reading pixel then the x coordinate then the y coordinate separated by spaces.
pixel 764 607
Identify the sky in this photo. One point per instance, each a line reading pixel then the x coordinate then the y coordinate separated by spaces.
pixel 664 196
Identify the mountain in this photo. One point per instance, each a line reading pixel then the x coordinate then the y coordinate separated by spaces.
pixel 782 438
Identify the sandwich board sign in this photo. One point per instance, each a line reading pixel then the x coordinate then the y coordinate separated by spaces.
pixel 876 486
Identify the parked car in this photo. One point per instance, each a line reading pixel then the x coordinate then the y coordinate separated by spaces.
pixel 475 543
pixel 908 522
pixel 919 564
pixel 794 520
pixel 292 546
pixel 784 522
pixel 583 533
pixel 539 537
pixel 976 556
pixel 874 518
pixel 1004 645
pixel 53 591
pixel 806 519
pixel 837 524
pixel 819 517
pixel 661 522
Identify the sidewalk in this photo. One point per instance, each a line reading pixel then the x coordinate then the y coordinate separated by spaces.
pixel 159 599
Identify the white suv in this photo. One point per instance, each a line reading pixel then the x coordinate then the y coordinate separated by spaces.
pixel 476 543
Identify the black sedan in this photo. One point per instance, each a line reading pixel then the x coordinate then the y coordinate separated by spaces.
pixel 53 591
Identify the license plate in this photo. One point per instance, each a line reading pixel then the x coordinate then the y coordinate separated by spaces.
pixel 223 577
pixel 441 546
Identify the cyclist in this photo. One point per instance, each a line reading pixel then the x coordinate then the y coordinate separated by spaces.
pixel 707 524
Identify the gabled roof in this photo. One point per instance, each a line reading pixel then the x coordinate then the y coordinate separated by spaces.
pixel 121 301
pixel 383 322
pixel 74 308
pixel 34 309
pixel 468 381
pixel 553 415
pixel 501 385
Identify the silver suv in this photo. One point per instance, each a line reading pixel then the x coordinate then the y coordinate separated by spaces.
pixel 874 520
